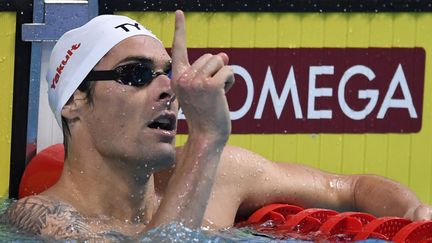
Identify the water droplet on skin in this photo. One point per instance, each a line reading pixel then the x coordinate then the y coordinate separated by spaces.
pixel 137 219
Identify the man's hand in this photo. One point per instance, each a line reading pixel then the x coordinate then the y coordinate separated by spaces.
pixel 421 212
pixel 200 87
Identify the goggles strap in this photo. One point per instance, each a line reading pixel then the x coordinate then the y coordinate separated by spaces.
pixel 102 75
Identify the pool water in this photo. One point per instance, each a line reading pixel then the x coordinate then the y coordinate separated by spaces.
pixel 174 232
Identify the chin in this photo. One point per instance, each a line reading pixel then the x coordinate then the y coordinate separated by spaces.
pixel 162 158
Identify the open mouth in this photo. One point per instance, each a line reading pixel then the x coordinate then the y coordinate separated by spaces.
pixel 164 122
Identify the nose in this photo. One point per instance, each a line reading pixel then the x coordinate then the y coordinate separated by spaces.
pixel 166 95
pixel 167 98
pixel 170 101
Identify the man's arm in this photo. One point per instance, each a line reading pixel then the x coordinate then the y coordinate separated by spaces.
pixel 250 181
pixel 384 197
pixel 200 91
pixel 52 219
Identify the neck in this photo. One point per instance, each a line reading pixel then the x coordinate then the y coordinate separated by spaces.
pixel 96 186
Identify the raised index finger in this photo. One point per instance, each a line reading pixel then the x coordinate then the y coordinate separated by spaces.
pixel 179 51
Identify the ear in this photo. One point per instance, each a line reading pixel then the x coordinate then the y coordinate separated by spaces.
pixel 73 106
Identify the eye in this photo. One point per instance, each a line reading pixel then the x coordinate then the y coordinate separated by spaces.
pixel 142 75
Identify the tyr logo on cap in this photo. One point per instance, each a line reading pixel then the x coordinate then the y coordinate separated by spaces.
pixel 123 26
pixel 62 64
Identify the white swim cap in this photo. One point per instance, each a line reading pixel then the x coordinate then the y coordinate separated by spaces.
pixel 79 50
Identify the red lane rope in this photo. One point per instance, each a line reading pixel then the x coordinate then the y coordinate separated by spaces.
pixel 284 221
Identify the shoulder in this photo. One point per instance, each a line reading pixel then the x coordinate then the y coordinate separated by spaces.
pixel 233 155
pixel 45 216
pixel 236 160
pixel 239 160
pixel 242 167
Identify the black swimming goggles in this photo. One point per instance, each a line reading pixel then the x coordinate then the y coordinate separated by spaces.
pixel 133 74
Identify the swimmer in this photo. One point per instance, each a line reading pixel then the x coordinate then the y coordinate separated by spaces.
pixel 116 92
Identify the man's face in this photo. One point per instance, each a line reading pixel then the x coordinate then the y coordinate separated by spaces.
pixel 134 125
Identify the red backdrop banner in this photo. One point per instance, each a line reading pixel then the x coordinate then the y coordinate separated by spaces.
pixel 324 90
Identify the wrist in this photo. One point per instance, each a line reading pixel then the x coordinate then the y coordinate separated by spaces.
pixel 210 134
pixel 207 139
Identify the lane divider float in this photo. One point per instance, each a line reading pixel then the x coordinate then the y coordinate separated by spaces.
pixel 284 221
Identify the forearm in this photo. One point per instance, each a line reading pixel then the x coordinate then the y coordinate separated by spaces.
pixel 200 90
pixel 383 197
pixel 189 188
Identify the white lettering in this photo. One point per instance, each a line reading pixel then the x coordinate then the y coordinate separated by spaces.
pixel 398 79
pixel 235 115
pixel 181 115
pixel 279 102
pixel 318 92
pixel 290 89
pixel 370 94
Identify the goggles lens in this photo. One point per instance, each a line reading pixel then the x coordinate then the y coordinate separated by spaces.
pixel 134 74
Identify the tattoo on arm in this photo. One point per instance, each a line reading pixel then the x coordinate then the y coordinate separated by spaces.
pixel 41 216
pixel 54 219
